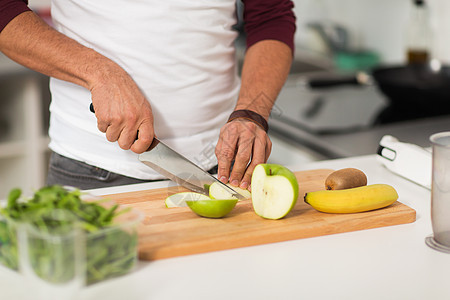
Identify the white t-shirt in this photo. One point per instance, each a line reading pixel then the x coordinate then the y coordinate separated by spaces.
pixel 181 55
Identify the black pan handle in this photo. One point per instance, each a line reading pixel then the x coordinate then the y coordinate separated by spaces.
pixel 316 83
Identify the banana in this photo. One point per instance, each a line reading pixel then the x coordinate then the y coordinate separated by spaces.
pixel 352 200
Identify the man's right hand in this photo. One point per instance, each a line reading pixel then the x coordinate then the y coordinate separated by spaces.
pixel 122 111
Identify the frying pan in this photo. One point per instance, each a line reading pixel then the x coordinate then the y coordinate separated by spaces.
pixel 414 91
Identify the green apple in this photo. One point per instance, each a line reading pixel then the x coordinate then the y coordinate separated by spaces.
pixel 179 199
pixel 216 191
pixel 212 208
pixel 274 191
pixel 201 204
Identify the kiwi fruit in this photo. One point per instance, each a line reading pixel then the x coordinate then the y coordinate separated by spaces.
pixel 345 179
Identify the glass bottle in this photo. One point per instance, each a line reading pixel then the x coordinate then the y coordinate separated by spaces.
pixel 419 33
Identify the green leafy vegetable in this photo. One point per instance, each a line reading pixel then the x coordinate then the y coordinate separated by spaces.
pixel 111 250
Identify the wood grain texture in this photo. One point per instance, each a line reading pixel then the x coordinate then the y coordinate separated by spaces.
pixel 169 232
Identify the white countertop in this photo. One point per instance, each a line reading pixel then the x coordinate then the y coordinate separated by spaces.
pixel 383 263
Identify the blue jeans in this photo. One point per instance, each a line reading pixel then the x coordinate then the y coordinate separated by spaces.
pixel 70 172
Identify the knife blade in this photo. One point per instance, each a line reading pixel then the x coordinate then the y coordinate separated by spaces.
pixel 179 169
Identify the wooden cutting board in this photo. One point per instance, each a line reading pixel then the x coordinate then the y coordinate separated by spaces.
pixel 169 232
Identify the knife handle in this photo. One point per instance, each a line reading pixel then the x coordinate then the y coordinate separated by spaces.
pixel 152 145
pixel 91 108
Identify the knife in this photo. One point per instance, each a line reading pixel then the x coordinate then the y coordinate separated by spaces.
pixel 179 169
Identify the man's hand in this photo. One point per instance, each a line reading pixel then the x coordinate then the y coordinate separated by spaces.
pixel 266 66
pixel 248 145
pixel 122 111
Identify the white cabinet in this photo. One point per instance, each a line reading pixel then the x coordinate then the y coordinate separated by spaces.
pixel 24 101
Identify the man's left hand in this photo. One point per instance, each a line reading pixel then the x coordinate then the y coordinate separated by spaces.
pixel 248 145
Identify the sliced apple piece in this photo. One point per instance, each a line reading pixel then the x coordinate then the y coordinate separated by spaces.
pixel 274 191
pixel 217 192
pixel 179 199
pixel 212 208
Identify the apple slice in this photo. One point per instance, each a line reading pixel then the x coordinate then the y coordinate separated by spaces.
pixel 212 208
pixel 217 192
pixel 274 191
pixel 201 204
pixel 179 199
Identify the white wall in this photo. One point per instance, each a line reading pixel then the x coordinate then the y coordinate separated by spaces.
pixel 441 10
pixel 376 24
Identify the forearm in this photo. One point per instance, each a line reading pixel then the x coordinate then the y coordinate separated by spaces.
pixel 266 67
pixel 31 42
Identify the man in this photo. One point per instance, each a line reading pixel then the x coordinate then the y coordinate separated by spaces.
pixel 153 68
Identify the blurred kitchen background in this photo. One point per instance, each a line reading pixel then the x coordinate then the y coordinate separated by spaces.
pixel 334 39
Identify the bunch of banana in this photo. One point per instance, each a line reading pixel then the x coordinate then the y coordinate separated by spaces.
pixel 359 199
